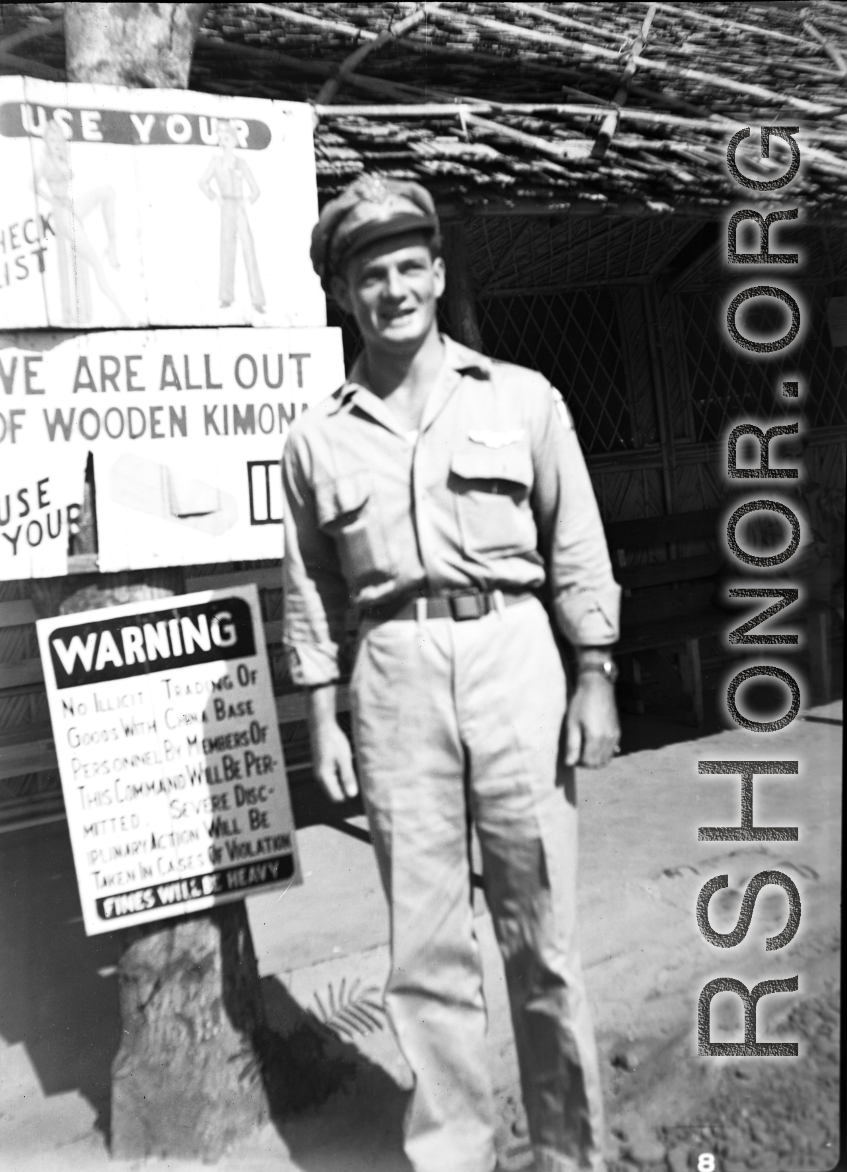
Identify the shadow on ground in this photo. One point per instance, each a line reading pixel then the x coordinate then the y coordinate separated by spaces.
pixel 52 996
pixel 335 1110
pixel 332 1107
pixel 651 730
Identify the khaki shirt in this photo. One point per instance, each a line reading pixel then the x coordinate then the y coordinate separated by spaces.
pixel 492 493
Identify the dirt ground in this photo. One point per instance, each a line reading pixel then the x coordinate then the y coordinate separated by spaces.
pixel 323 955
pixel 666 1107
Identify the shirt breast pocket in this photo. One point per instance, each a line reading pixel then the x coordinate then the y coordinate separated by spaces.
pixel 348 512
pixel 491 487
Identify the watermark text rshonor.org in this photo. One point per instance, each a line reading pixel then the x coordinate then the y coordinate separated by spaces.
pixel 779 598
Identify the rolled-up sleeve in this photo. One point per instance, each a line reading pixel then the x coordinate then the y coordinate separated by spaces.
pixel 585 595
pixel 314 590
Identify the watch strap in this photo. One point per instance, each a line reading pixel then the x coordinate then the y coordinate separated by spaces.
pixel 607 668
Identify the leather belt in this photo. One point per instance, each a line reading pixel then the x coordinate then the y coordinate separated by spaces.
pixel 467 604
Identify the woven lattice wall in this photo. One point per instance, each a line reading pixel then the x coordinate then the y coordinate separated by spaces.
pixel 573 339
pixel 521 253
pixel 724 385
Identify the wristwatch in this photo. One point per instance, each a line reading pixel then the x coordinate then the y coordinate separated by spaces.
pixel 607 668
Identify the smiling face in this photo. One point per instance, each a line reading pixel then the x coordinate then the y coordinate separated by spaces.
pixel 392 289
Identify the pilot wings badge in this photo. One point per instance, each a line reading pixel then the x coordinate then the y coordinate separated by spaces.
pixel 497 439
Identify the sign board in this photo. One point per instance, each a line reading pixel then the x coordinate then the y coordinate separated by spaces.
pixel 139 207
pixel 168 745
pixel 186 429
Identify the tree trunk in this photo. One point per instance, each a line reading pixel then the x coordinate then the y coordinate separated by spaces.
pixel 132 44
pixel 187 1079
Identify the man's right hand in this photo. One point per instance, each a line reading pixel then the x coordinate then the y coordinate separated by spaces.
pixel 332 758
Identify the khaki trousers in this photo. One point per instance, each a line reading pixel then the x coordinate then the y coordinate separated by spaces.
pixel 457 720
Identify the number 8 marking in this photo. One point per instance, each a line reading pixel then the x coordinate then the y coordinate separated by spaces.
pixel 706 1162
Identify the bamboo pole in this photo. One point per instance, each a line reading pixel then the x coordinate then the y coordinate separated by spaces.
pixel 425 47
pixel 446 107
pixel 649 64
pixel 612 119
pixel 547 14
pixel 823 158
pixel 816 71
pixel 831 50
pixel 833 26
pixel 332 26
pixel 30 33
pixel 571 150
pixel 31 68
pixel 325 69
pixel 694 13
pixel 576 206
pixel 349 65
pixel 715 123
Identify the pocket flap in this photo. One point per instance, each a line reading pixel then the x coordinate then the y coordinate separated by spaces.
pixel 476 462
pixel 343 496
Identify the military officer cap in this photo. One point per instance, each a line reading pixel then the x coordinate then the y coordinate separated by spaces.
pixel 371 208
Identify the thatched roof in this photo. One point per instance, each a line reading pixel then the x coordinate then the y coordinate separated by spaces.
pixel 581 107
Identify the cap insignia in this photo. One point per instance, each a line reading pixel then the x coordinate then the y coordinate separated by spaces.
pixel 373 189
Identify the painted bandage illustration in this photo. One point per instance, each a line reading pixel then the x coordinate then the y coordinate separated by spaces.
pixel 160 491
pixel 224 181
pixel 76 256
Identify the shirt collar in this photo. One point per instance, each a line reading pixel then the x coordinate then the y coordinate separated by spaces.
pixel 459 358
pixel 464 360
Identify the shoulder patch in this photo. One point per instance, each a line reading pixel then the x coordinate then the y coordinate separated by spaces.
pixel 562 410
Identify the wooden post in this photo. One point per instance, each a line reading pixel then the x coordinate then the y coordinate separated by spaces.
pixel 662 413
pixel 820 655
pixel 459 294
pixel 187 1079
pixel 692 677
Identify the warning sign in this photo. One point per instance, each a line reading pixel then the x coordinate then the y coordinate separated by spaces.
pixel 169 751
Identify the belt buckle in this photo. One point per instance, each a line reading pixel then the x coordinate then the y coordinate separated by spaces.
pixel 472 605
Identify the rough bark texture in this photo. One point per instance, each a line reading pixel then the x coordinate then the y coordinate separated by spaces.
pixel 145 45
pixel 461 307
pixel 187 1079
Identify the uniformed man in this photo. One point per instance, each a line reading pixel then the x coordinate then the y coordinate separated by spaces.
pixel 441 493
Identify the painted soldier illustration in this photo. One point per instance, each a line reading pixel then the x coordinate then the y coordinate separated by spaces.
pixel 224 181
pixel 77 256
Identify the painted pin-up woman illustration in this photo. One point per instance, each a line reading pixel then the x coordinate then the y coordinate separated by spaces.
pixel 77 257
pixel 224 181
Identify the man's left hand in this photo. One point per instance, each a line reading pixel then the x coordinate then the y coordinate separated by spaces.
pixel 593 730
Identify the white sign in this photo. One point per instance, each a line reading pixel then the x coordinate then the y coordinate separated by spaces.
pixel 136 207
pixel 172 769
pixel 186 429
